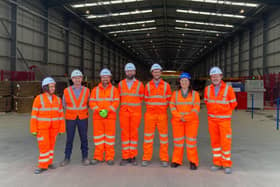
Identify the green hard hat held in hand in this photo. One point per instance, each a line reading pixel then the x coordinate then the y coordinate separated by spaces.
pixel 103 113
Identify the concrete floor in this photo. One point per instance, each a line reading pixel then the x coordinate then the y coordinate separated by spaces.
pixel 256 157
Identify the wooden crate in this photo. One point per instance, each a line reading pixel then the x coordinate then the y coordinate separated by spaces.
pixel 27 88
pixel 23 104
pixel 5 88
pixel 6 104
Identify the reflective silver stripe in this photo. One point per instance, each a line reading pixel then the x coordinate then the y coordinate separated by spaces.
pixel 40 138
pixel 172 103
pixel 226 92
pixel 148 141
pixel 60 110
pixel 104 99
pixel 45 154
pixel 197 103
pixel 132 148
pixel 35 109
pixel 125 143
pixel 121 87
pixel 51 157
pixel 149 89
pixel 178 139
pixel 228 136
pixel 133 142
pixel 96 107
pixel 42 101
pixel 163 142
pixel 217 155
pixel 112 92
pixel 138 88
pixel 194 110
pixel 131 94
pixel 98 137
pixel 173 108
pixel 157 103
pixel 217 149
pixel 155 97
pixel 49 119
pixel 44 160
pixel 99 143
pixel 168 96
pixel 232 101
pixel 217 101
pixel 178 145
pixel 116 99
pixel 163 135
pixel 193 96
pixel 191 146
pixel 73 108
pixel 131 104
pixel 110 137
pixel 126 148
pixel 110 143
pixel 72 99
pixel 165 88
pixel 51 151
pixel 219 116
pixel 191 139
pixel 33 117
pixel 226 152
pixel 113 108
pixel 97 92
pixel 148 134
pixel 184 103
pixel 184 113
pixel 226 158
pixel 83 97
pixel 208 92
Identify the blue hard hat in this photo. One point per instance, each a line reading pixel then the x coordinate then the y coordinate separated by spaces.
pixel 185 75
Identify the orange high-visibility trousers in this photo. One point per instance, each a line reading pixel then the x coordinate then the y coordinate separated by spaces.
pixel 46 141
pixel 185 131
pixel 104 139
pixel 129 123
pixel 152 121
pixel 221 137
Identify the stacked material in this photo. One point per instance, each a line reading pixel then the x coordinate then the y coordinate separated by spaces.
pixel 5 96
pixel 60 86
pixel 5 88
pixel 23 104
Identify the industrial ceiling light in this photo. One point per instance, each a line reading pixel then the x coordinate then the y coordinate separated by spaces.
pixel 115 35
pixel 102 3
pixel 94 16
pixel 151 41
pixel 132 30
pixel 126 24
pixel 87 12
pixel 242 11
pixel 123 41
pixel 198 30
pixel 232 3
pixel 148 34
pixel 211 13
pixel 217 35
pixel 204 23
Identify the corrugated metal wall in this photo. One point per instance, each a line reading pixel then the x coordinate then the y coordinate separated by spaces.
pixel 31 34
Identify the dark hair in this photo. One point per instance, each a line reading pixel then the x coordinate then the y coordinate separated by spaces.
pixel 45 88
pixel 190 86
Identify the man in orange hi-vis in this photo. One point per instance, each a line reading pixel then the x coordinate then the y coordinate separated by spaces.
pixel 185 106
pixel 104 101
pixel 220 101
pixel 131 97
pixel 157 96
pixel 46 123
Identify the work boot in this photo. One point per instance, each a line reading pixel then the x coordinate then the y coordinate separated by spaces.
pixel 216 168
pixel 174 165
pixel 145 163
pixel 65 162
pixel 163 164
pixel 39 170
pixel 94 162
pixel 110 162
pixel 133 161
pixel 85 162
pixel 124 162
pixel 228 170
pixel 193 166
pixel 52 166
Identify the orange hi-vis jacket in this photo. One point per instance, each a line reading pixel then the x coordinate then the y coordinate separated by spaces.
pixel 46 115
pixel 188 107
pixel 157 98
pixel 220 107
pixel 104 98
pixel 76 107
pixel 131 99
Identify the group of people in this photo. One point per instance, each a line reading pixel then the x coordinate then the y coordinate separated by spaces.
pixel 50 113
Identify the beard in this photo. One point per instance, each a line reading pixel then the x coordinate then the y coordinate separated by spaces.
pixel 216 82
pixel 130 77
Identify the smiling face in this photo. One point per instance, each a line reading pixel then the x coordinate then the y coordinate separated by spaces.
pixel 185 83
pixel 105 80
pixel 51 88
pixel 130 74
pixel 216 79
pixel 156 74
pixel 77 81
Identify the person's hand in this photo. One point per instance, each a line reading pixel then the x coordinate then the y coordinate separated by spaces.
pixel 103 113
pixel 60 133
pixel 34 133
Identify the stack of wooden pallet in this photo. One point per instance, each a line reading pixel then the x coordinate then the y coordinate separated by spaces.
pixel 5 96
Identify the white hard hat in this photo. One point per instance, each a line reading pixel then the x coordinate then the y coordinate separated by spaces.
pixel 215 70
pixel 76 73
pixel 47 81
pixel 129 66
pixel 105 72
pixel 156 66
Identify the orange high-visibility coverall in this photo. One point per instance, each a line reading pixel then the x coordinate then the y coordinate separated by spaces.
pixel 185 125
pixel 130 116
pixel 157 101
pixel 76 107
pixel 47 120
pixel 220 109
pixel 104 128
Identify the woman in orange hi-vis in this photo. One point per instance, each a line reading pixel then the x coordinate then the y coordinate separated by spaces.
pixel 185 106
pixel 104 101
pixel 47 121
pixel 220 101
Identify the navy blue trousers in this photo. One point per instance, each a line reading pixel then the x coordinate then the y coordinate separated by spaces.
pixel 70 130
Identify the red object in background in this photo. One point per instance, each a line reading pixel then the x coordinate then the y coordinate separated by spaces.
pixel 17 75
pixel 241 98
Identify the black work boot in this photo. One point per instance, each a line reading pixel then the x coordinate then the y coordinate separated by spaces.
pixel 65 162
pixel 39 170
pixel 124 162
pixel 174 165
pixel 193 166
pixel 133 161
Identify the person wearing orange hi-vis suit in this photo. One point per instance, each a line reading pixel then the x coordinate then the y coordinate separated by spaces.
pixel 157 96
pixel 220 101
pixel 47 121
pixel 104 101
pixel 131 97
pixel 185 106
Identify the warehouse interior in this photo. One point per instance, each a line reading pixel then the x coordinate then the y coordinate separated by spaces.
pixel 40 38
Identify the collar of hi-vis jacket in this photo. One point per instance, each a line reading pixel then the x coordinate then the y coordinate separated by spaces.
pixel 108 87
pixel 222 85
